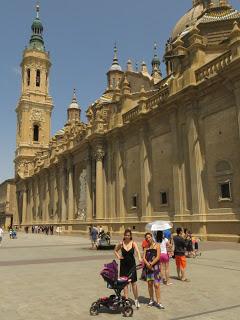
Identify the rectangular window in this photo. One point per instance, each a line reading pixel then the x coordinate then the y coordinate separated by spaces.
pixel 38 77
pixel 35 133
pixel 28 76
pixel 134 201
pixel 225 191
pixel 163 198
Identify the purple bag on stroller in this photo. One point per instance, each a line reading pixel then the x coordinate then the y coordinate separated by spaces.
pixel 110 271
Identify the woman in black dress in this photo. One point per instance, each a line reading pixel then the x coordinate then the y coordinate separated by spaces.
pixel 125 252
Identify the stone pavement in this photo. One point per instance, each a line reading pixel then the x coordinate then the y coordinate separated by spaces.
pixel 57 278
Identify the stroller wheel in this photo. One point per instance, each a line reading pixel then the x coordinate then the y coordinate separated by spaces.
pixel 94 310
pixel 127 311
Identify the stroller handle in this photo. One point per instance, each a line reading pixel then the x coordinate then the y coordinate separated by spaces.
pixel 137 267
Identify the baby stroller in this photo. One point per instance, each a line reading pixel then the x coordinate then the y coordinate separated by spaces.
pixel 115 302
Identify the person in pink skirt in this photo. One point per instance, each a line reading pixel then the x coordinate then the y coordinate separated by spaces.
pixel 164 257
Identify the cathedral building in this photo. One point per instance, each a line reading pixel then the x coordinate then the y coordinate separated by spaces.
pixel 153 147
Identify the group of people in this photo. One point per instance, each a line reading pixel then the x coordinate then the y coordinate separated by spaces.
pixel 47 229
pixel 158 247
pixel 12 231
pixel 96 233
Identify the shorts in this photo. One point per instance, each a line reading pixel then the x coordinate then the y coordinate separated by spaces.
pixel 164 258
pixel 181 262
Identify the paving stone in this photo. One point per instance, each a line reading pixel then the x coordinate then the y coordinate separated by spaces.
pixel 57 277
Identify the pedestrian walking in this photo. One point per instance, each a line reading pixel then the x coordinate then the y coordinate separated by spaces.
pixel 94 236
pixel 151 259
pixel 165 247
pixel 180 254
pixel 125 251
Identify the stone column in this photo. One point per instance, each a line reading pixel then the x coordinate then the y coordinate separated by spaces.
pixel 89 188
pixel 177 175
pixel 70 190
pixel 120 181
pixel 41 196
pixel 37 201
pixel 109 183
pixel 63 192
pixel 195 162
pixel 51 193
pixel 146 207
pixel 99 155
pixel 28 202
pixel 24 206
pixel 56 195
pixel 44 196
pixel 30 215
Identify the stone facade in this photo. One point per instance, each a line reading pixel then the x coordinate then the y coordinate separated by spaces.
pixel 8 203
pixel 153 147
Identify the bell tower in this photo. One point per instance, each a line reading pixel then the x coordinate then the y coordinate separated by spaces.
pixel 35 104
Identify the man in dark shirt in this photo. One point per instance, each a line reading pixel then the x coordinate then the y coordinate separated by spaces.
pixel 179 253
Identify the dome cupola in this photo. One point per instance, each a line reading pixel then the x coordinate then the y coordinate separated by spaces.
pixel 36 41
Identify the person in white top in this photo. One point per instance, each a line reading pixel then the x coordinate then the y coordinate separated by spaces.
pixel 164 257
pixel 1 235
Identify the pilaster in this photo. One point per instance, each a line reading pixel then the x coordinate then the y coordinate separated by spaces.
pixel 89 186
pixel 177 174
pixel 99 154
pixel 195 161
pixel 146 207
pixel 70 189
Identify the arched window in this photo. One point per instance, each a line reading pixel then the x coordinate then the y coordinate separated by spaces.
pixel 28 77
pixel 38 77
pixel 36 133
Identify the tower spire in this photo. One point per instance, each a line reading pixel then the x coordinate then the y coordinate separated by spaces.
pixel 115 63
pixel 74 110
pixel 37 9
pixel 156 72
pixel 36 41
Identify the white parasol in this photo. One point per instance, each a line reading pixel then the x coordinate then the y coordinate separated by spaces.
pixel 159 225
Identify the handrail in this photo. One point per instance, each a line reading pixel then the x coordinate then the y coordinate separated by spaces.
pixel 214 66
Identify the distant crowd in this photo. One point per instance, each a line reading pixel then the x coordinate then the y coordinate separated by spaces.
pixel 47 229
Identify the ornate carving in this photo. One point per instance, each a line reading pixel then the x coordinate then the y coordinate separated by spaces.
pixel 23 169
pixel 99 154
pixel 37 115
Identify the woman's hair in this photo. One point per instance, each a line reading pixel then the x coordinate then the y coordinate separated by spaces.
pixel 147 234
pixel 159 236
pixel 179 230
pixel 127 231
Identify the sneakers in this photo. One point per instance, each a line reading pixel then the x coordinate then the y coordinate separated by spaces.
pixel 151 303
pixel 137 304
pixel 159 306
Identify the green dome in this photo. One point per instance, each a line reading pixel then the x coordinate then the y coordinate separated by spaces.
pixel 37 24
pixel 155 60
pixel 36 41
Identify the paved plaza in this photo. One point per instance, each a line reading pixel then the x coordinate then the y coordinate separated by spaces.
pixel 57 278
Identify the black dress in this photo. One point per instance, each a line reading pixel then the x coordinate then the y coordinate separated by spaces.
pixel 128 264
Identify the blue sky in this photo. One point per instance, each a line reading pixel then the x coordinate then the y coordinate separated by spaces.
pixel 80 36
